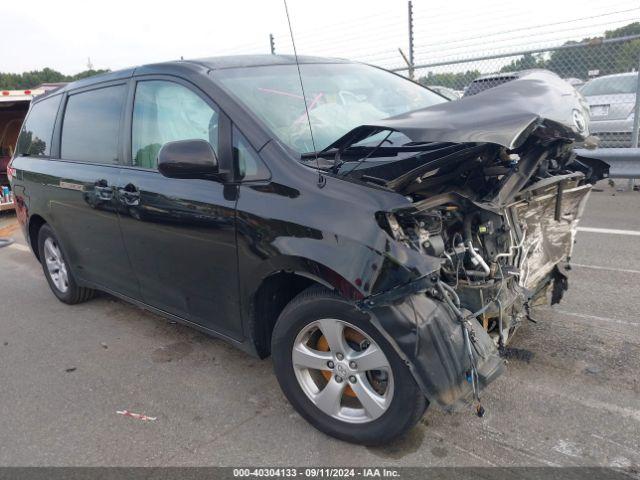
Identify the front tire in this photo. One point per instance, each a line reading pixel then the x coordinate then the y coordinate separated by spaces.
pixel 56 269
pixel 340 373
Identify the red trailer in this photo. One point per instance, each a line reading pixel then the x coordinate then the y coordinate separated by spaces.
pixel 14 105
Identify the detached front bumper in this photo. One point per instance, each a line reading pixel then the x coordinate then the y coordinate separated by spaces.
pixel 430 339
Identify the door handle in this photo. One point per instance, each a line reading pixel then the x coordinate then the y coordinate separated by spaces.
pixel 102 190
pixel 129 195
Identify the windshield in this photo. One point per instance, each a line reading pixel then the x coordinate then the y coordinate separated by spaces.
pixel 610 85
pixel 340 97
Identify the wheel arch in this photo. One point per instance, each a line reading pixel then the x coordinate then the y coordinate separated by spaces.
pixel 271 297
pixel 288 277
pixel 35 224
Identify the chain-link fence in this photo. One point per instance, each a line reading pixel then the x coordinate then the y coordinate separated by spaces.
pixel 462 51
pixel 604 70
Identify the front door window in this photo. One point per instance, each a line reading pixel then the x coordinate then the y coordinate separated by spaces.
pixel 166 112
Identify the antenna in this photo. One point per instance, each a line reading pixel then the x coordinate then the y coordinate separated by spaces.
pixel 321 180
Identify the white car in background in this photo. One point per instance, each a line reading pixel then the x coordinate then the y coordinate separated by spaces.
pixel 575 82
pixel 448 93
pixel 611 101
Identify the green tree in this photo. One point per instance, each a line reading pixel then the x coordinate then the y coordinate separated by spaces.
pixel 526 62
pixel 604 58
pixel 26 80
pixel 566 62
pixel 457 81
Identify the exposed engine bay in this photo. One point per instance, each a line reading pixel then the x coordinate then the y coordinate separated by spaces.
pixel 496 192
pixel 499 260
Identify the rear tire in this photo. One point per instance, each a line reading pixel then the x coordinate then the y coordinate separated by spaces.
pixel 392 404
pixel 56 269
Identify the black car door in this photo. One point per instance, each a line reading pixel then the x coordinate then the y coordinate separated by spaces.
pixel 179 233
pixel 82 204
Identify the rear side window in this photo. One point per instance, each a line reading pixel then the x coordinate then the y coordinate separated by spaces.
pixel 166 112
pixel 35 136
pixel 91 125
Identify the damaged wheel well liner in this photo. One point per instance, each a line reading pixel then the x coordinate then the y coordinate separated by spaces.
pixel 275 292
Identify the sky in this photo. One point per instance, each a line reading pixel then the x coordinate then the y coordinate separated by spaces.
pixel 65 34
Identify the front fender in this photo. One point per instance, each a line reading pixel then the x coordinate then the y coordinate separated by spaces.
pixel 422 330
pixel 354 268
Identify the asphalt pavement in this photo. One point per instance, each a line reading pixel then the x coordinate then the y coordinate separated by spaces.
pixel 573 398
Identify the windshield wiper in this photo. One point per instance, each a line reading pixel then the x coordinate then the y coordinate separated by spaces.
pixel 360 150
pixel 371 152
pixel 321 153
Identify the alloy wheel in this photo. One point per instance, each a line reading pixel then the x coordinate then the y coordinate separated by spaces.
pixel 56 265
pixel 342 371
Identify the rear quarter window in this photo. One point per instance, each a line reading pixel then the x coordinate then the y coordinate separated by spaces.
pixel 36 133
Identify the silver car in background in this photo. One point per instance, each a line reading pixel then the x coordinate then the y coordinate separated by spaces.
pixel 611 101
pixel 448 93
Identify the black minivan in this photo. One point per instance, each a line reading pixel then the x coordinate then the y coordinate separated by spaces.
pixel 378 241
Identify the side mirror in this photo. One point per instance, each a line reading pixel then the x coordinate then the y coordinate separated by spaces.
pixel 187 159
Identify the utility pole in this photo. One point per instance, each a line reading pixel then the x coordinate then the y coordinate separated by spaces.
pixel 411 63
pixel 272 44
pixel 636 121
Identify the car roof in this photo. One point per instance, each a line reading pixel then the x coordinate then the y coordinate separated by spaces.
pixel 239 61
pixel 209 63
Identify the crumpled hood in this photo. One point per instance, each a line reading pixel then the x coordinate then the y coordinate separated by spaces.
pixel 504 115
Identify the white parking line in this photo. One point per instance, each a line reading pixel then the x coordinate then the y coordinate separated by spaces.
pixel 592 317
pixel 610 407
pixel 613 231
pixel 19 246
pixel 609 269
pixel 613 442
pixel 587 402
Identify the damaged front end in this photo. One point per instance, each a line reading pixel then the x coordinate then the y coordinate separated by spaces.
pixel 495 194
